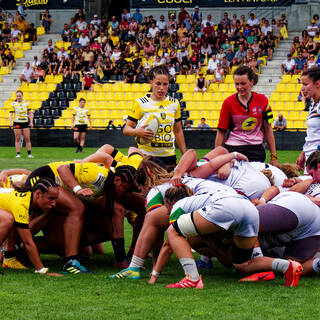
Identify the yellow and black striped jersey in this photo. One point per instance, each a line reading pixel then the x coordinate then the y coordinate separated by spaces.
pixel 81 115
pixel 20 110
pixel 168 112
pixel 88 175
pixel 18 204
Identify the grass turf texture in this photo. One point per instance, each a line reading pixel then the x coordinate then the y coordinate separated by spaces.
pixel 24 295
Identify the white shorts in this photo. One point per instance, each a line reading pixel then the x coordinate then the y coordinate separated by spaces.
pixel 235 213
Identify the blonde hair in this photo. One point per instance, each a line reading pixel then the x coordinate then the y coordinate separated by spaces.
pixel 289 170
pixel 268 174
pixel 150 174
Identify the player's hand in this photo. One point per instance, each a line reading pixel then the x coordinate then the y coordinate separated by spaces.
pixel 257 201
pixel 274 163
pixel 86 192
pixel 241 156
pixel 3 177
pixel 224 172
pixel 153 279
pixel 288 183
pixel 175 180
pixel 145 134
pixel 53 274
pixel 72 127
pixel 301 161
pixel 31 125
pixel 90 128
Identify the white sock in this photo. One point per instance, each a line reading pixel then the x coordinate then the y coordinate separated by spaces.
pixel 189 267
pixel 256 252
pixel 136 262
pixel 205 259
pixel 316 265
pixel 280 265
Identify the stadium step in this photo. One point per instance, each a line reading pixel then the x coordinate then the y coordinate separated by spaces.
pixel 271 73
pixel 10 82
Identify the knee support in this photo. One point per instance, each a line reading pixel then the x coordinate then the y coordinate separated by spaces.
pixel 185 226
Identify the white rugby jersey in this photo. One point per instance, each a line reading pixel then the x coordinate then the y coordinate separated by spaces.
pixel 245 179
pixel 155 197
pixel 312 140
pixel 277 174
pixel 307 212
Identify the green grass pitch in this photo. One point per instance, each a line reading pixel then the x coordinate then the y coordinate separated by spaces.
pixel 24 295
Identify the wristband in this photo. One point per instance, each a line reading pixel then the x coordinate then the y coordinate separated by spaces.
pixel 273 156
pixel 235 155
pixel 42 271
pixel 76 189
pixel 263 199
pixel 155 273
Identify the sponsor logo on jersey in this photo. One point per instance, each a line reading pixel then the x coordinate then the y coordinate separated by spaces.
pixel 249 124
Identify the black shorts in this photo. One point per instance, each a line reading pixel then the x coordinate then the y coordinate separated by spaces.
pixel 42 172
pixel 80 128
pixel 20 125
pixel 254 152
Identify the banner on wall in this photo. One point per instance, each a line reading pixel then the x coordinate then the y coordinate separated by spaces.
pixel 41 4
pixel 207 3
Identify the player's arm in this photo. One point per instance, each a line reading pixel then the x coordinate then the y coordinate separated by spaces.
pixel 301 161
pixel 70 181
pixel 31 248
pixel 30 115
pixel 213 165
pixel 4 174
pixel 11 118
pixel 187 162
pixel 220 137
pixel 302 186
pixel 163 258
pixel 99 157
pixel 267 195
pixel 178 132
pixel 268 132
pixel 90 122
pixel 73 120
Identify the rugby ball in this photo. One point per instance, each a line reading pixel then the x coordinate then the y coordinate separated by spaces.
pixel 152 123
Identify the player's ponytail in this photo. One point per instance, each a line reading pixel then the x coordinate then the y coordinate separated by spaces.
pixel 151 174
pixel 268 174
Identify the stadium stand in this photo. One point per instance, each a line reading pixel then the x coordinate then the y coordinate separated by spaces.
pixel 119 53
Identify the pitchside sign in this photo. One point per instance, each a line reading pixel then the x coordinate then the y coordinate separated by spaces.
pixel 42 4
pixel 207 3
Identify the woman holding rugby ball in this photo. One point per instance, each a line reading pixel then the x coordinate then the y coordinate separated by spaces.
pixel 80 118
pixel 167 110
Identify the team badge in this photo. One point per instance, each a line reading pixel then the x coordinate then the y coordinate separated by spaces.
pixel 259 109
pixel 163 115
pixel 249 124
